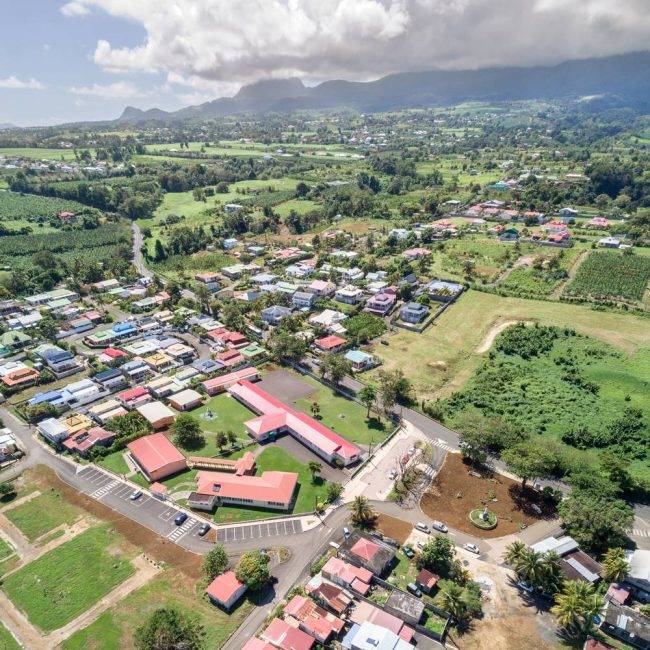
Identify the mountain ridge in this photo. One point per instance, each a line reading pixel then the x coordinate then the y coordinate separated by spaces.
pixel 625 75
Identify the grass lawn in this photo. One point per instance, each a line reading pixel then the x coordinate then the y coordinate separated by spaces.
pixel 344 416
pixel 114 629
pixel 442 358
pixel 43 513
pixel 58 586
pixel 115 462
pixel 6 550
pixel 7 642
pixel 277 459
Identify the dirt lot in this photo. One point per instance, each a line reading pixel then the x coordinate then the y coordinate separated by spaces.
pixel 286 386
pixel 396 528
pixel 161 550
pixel 454 492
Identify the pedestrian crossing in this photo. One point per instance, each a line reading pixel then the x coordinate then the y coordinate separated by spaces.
pixel 639 532
pixel 181 530
pixel 104 489
pixel 442 444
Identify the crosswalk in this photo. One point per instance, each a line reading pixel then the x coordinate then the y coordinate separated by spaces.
pixel 104 489
pixel 442 444
pixel 181 530
pixel 639 532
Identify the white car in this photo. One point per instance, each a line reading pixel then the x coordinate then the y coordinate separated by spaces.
pixel 423 527
pixel 438 525
pixel 392 475
pixel 472 548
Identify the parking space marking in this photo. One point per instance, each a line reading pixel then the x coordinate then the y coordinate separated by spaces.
pixel 104 489
pixel 167 514
pixel 182 530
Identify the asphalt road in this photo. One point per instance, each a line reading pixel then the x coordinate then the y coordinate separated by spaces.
pixel 138 260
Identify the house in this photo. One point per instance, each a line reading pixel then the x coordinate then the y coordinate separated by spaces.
pixel 20 378
pixel 368 636
pixel 186 400
pixel 76 422
pixel 426 580
pixel 350 295
pixel 60 362
pixel 181 353
pixel 106 411
pixel 414 312
pixel 347 575
pixel 257 644
pixel 232 207
pixel 230 358
pixel 159 361
pixel 627 625
pixel 86 439
pixel 111 355
pixel 273 315
pixel 312 619
pixel 405 606
pixel 399 233
pixel 275 418
pixel 157 414
pixel 331 343
pixel 322 288
pixel 352 275
pixel 225 590
pixel 271 490
pixel 8 444
pixel 415 253
pixel 105 285
pixel 444 291
pixel 568 214
pixel 15 340
pixel 508 235
pixel 575 564
pixel 135 370
pixel 224 338
pixel 599 223
pixel 206 366
pixel 609 242
pixel 156 456
pixel 365 611
pixel 164 386
pixel 264 278
pixel 303 300
pixel 53 430
pixel 82 392
pixel 110 379
pixel 373 555
pixel 229 243
pixel 222 383
pixel 329 595
pixel 359 360
pixel 329 319
pixel 49 296
pixel 638 575
pixel 283 636
pixel 381 304
pixel 133 397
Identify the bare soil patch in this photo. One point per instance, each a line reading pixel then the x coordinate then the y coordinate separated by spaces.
pixel 459 488
pixel 493 333
pixel 285 385
pixel 396 528
pixel 160 549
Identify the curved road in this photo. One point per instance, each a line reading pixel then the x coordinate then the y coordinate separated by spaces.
pixel 138 259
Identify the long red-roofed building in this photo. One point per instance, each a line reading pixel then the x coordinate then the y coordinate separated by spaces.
pixel 276 418
pixel 156 456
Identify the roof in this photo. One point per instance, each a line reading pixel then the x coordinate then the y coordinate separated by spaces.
pixel 154 452
pixel 365 548
pixel 345 571
pixel 560 545
pixel 269 486
pixel 282 635
pixel 426 579
pixel 132 393
pixel 232 377
pixel 368 636
pixel 257 644
pixel 185 397
pixel 357 356
pixel 329 342
pixel 154 411
pixel 224 587
pixel 304 425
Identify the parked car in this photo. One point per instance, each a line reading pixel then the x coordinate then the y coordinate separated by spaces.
pixel 472 548
pixel 413 588
pixel 180 518
pixel 423 527
pixel 420 545
pixel 408 551
pixel 346 532
pixel 392 475
pixel 135 495
pixel 438 525
pixel 203 530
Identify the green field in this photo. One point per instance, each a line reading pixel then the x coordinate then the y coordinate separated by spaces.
pixel 275 458
pixel 38 153
pixel 58 586
pixel 7 641
pixel 115 462
pixel 344 416
pixel 14 206
pixel 42 514
pixel 443 357
pixel 6 550
pixel 113 630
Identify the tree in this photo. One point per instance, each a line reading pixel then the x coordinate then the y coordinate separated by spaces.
pixel 437 555
pixel 514 552
pixel 187 431
pixel 286 347
pixel 361 512
pixel 221 439
pixel 314 468
pixel 334 367
pixel 333 491
pixel 231 436
pixel 595 521
pixel 367 395
pixel 530 459
pixel 159 251
pixel 615 566
pixel 6 490
pixel 575 607
pixel 215 562
pixel 253 570
pixel 530 567
pixel 168 629
pixel 452 601
pixel 393 388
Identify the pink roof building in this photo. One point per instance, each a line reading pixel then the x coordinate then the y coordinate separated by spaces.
pixel 220 384
pixel 312 618
pixel 230 358
pixel 225 590
pixel 365 549
pixel 276 417
pixel 364 611
pixel 414 253
pixel 347 575
pixel 330 343
pixel 82 441
pixel 257 644
pixel 284 636
pixel 134 397
pixel 156 456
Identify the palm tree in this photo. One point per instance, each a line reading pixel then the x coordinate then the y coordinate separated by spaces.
pixel 551 573
pixel 361 512
pixel 615 566
pixel 368 395
pixel 451 600
pixel 576 606
pixel 315 469
pixel 530 567
pixel 514 552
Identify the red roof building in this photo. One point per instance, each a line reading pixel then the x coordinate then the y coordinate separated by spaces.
pixel 365 549
pixel 257 644
pixel 156 456
pixel 230 358
pixel 277 418
pixel 330 343
pixel 133 397
pixel 426 580
pixel 220 384
pixel 82 441
pixel 20 377
pixel 285 637
pixel 347 575
pixel 225 590
pixel 312 618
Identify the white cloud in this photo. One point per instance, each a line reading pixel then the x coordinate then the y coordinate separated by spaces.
pixel 18 84
pixel 223 43
pixel 117 90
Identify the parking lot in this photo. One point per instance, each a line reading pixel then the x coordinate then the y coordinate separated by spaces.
pixel 259 531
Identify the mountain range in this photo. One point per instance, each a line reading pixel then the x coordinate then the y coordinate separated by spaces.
pixel 626 76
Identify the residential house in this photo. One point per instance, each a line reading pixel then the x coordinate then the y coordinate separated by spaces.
pixel 627 625
pixel 273 315
pixel 329 319
pixel 225 590
pixel 360 360
pixel 106 411
pixel 347 575
pixel 365 611
pixel 282 635
pixel 330 343
pixel 381 304
pixel 186 400
pixel 444 291
pixel 312 619
pixel 350 295
pixel 136 369
pixel 414 312
pixel 210 280
pixel 426 580
pixel 416 253
pixel 111 379
pixel 157 414
pixel 84 440
pixel 405 606
pixel 329 594
pixel 609 242
pixel 53 430
pixel 133 397
pixel 373 555
pixel 303 300
pixel 368 636
pixel 575 563
pixel 322 288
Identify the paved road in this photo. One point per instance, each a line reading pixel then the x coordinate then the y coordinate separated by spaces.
pixel 138 260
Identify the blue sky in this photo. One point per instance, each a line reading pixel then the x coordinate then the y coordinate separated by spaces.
pixel 67 60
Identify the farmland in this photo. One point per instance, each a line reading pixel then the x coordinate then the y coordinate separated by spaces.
pixel 30 207
pixel 611 276
pixel 37 153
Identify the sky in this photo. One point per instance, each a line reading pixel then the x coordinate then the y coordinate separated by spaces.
pixel 74 60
